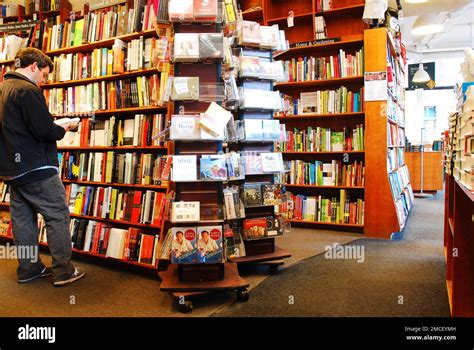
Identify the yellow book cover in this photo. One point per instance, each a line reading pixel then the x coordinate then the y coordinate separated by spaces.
pixel 140 92
pixel 109 166
pixel 120 133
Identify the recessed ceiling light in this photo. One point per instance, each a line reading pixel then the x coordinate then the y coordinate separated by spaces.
pixel 427 24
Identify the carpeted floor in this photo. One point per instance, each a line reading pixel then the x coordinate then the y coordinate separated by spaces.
pixel 396 278
pixel 309 285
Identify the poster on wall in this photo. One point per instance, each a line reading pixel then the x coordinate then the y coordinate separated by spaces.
pixel 429 67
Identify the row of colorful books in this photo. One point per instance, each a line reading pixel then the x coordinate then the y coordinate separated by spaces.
pixel 123 57
pixel 96 26
pixel 114 167
pixel 130 244
pixel 135 92
pixel 323 140
pixel 317 68
pixel 395 135
pixel 139 207
pixel 141 130
pixel 341 100
pixel 324 209
pixel 319 173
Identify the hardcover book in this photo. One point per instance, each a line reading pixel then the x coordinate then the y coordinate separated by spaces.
pixel 205 10
pixel 185 127
pixel 253 163
pixel 209 244
pixel 271 130
pixel 252 195
pixel 271 194
pixel 184 168
pixel 185 89
pixel 213 167
pixel 274 226
pixel 254 228
pixel 272 162
pixel 181 10
pixel 183 245
pixel 253 129
pixel 211 45
pixel 186 47
pixel 250 33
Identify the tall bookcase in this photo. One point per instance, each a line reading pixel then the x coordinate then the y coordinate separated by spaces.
pixel 62 15
pixel 386 191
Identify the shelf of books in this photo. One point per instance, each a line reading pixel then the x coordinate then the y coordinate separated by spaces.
pixel 323 112
pixel 111 69
pixel 388 203
pixel 195 245
pixel 24 27
pixel 459 204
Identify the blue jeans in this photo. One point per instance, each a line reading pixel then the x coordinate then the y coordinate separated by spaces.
pixel 47 197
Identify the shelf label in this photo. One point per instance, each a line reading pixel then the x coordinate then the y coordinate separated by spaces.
pixel 375 84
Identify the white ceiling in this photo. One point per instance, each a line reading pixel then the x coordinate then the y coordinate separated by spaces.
pixel 458 18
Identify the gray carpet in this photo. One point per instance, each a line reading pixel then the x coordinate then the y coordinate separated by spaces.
pixel 397 278
pixel 413 268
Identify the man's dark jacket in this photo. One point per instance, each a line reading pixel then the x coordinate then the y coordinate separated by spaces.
pixel 28 134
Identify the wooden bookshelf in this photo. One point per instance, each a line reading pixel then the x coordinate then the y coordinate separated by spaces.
pixel 459 247
pixel 323 187
pixel 61 16
pixel 322 223
pixel 340 20
pixel 380 209
pixel 322 153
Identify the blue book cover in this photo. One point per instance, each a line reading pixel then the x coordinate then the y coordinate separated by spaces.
pixel 213 167
pixel 183 246
pixel 209 244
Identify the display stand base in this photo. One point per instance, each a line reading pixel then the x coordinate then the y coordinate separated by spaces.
pixel 182 292
pixel 200 272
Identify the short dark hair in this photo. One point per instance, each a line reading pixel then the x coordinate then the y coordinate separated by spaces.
pixel 28 56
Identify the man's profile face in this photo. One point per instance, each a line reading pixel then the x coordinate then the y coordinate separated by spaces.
pixel 40 75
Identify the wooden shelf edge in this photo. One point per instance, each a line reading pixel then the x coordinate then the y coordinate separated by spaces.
pixel 111 148
pixel 121 222
pixel 328 187
pixel 107 184
pixel 357 39
pixel 100 43
pixel 86 81
pixel 278 254
pixel 318 223
pixel 322 116
pixel 334 152
pixel 112 111
pixel 297 84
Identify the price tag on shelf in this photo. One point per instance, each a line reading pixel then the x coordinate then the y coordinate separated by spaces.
pixel 291 19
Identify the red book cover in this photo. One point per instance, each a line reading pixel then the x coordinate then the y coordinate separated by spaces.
pixel 100 200
pixel 137 199
pixel 96 237
pixel 146 249
pixel 158 208
pixel 255 228
pixel 131 247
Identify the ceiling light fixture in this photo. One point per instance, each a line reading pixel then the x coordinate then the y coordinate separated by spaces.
pixel 421 76
pixel 427 24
